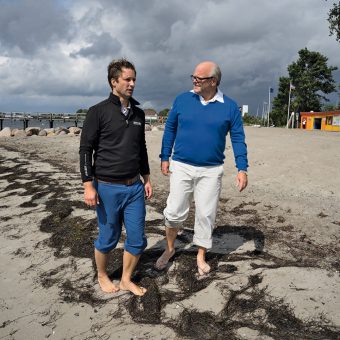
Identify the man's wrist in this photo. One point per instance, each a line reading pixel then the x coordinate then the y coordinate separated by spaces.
pixel 146 178
pixel 243 172
pixel 87 184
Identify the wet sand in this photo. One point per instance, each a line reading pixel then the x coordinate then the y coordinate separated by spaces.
pixel 275 257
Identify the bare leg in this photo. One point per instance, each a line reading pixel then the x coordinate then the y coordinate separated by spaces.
pixel 203 267
pixel 104 281
pixel 129 264
pixel 171 234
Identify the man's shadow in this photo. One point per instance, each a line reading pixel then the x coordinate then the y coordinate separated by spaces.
pixel 227 240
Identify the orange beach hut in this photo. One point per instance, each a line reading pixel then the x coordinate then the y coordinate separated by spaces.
pixel 327 121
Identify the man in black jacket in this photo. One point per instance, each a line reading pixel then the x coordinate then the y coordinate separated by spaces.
pixel 113 156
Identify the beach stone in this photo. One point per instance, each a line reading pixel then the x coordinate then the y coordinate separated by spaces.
pixel 61 131
pixel 13 131
pixel 50 134
pixel 19 133
pixel 32 131
pixel 75 130
pixel 49 130
pixel 147 127
pixel 42 133
pixel 5 132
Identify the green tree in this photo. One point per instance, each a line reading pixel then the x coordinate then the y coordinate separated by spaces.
pixel 334 21
pixel 251 120
pixel 312 78
pixel 82 111
pixel 330 107
pixel 164 113
pixel 278 116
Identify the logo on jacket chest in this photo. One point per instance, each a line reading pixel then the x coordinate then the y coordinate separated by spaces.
pixel 137 123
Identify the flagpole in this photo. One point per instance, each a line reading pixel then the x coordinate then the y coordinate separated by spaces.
pixel 268 106
pixel 290 89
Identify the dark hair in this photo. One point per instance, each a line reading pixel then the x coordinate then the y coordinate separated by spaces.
pixel 115 68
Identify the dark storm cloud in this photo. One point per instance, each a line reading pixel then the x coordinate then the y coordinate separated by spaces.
pixel 31 24
pixel 252 41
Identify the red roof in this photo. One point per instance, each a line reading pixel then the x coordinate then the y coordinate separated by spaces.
pixel 325 113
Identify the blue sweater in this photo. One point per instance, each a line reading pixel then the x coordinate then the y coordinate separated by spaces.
pixel 199 132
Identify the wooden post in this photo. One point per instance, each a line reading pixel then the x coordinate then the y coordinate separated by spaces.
pixel 51 121
pixel 25 121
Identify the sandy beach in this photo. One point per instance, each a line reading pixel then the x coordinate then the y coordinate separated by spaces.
pixel 275 257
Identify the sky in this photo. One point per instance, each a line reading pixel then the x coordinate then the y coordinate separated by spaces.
pixel 54 53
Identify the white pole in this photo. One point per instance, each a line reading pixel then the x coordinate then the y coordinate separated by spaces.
pixel 268 107
pixel 264 113
pixel 290 89
pixel 293 119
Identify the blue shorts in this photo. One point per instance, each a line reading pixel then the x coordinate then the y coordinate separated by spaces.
pixel 118 204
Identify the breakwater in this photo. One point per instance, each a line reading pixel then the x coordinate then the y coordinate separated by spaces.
pixel 46 120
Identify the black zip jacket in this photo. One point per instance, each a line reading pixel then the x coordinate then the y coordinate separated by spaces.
pixel 112 146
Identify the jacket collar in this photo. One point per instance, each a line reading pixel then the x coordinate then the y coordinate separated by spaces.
pixel 115 99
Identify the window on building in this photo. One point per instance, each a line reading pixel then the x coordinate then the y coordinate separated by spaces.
pixel 329 120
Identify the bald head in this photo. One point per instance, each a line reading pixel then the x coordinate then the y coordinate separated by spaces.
pixel 210 68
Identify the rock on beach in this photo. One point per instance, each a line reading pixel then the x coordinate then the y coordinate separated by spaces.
pixel 6 132
pixel 49 132
pixel 37 131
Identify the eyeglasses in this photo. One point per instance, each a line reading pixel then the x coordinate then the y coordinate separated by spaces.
pixel 199 79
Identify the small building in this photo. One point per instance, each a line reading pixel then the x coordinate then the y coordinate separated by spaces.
pixel 327 121
pixel 150 116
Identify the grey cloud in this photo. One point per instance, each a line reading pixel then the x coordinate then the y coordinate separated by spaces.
pixel 148 23
pixel 102 45
pixel 31 24
pixel 252 41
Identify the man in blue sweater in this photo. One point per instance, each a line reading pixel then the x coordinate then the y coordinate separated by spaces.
pixel 195 134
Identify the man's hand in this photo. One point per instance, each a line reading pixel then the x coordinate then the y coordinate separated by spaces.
pixel 91 198
pixel 241 180
pixel 147 186
pixel 165 168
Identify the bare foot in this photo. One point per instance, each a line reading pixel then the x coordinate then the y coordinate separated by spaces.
pixel 203 267
pixel 133 288
pixel 164 259
pixel 106 284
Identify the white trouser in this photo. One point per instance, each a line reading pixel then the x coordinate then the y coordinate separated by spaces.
pixel 203 183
